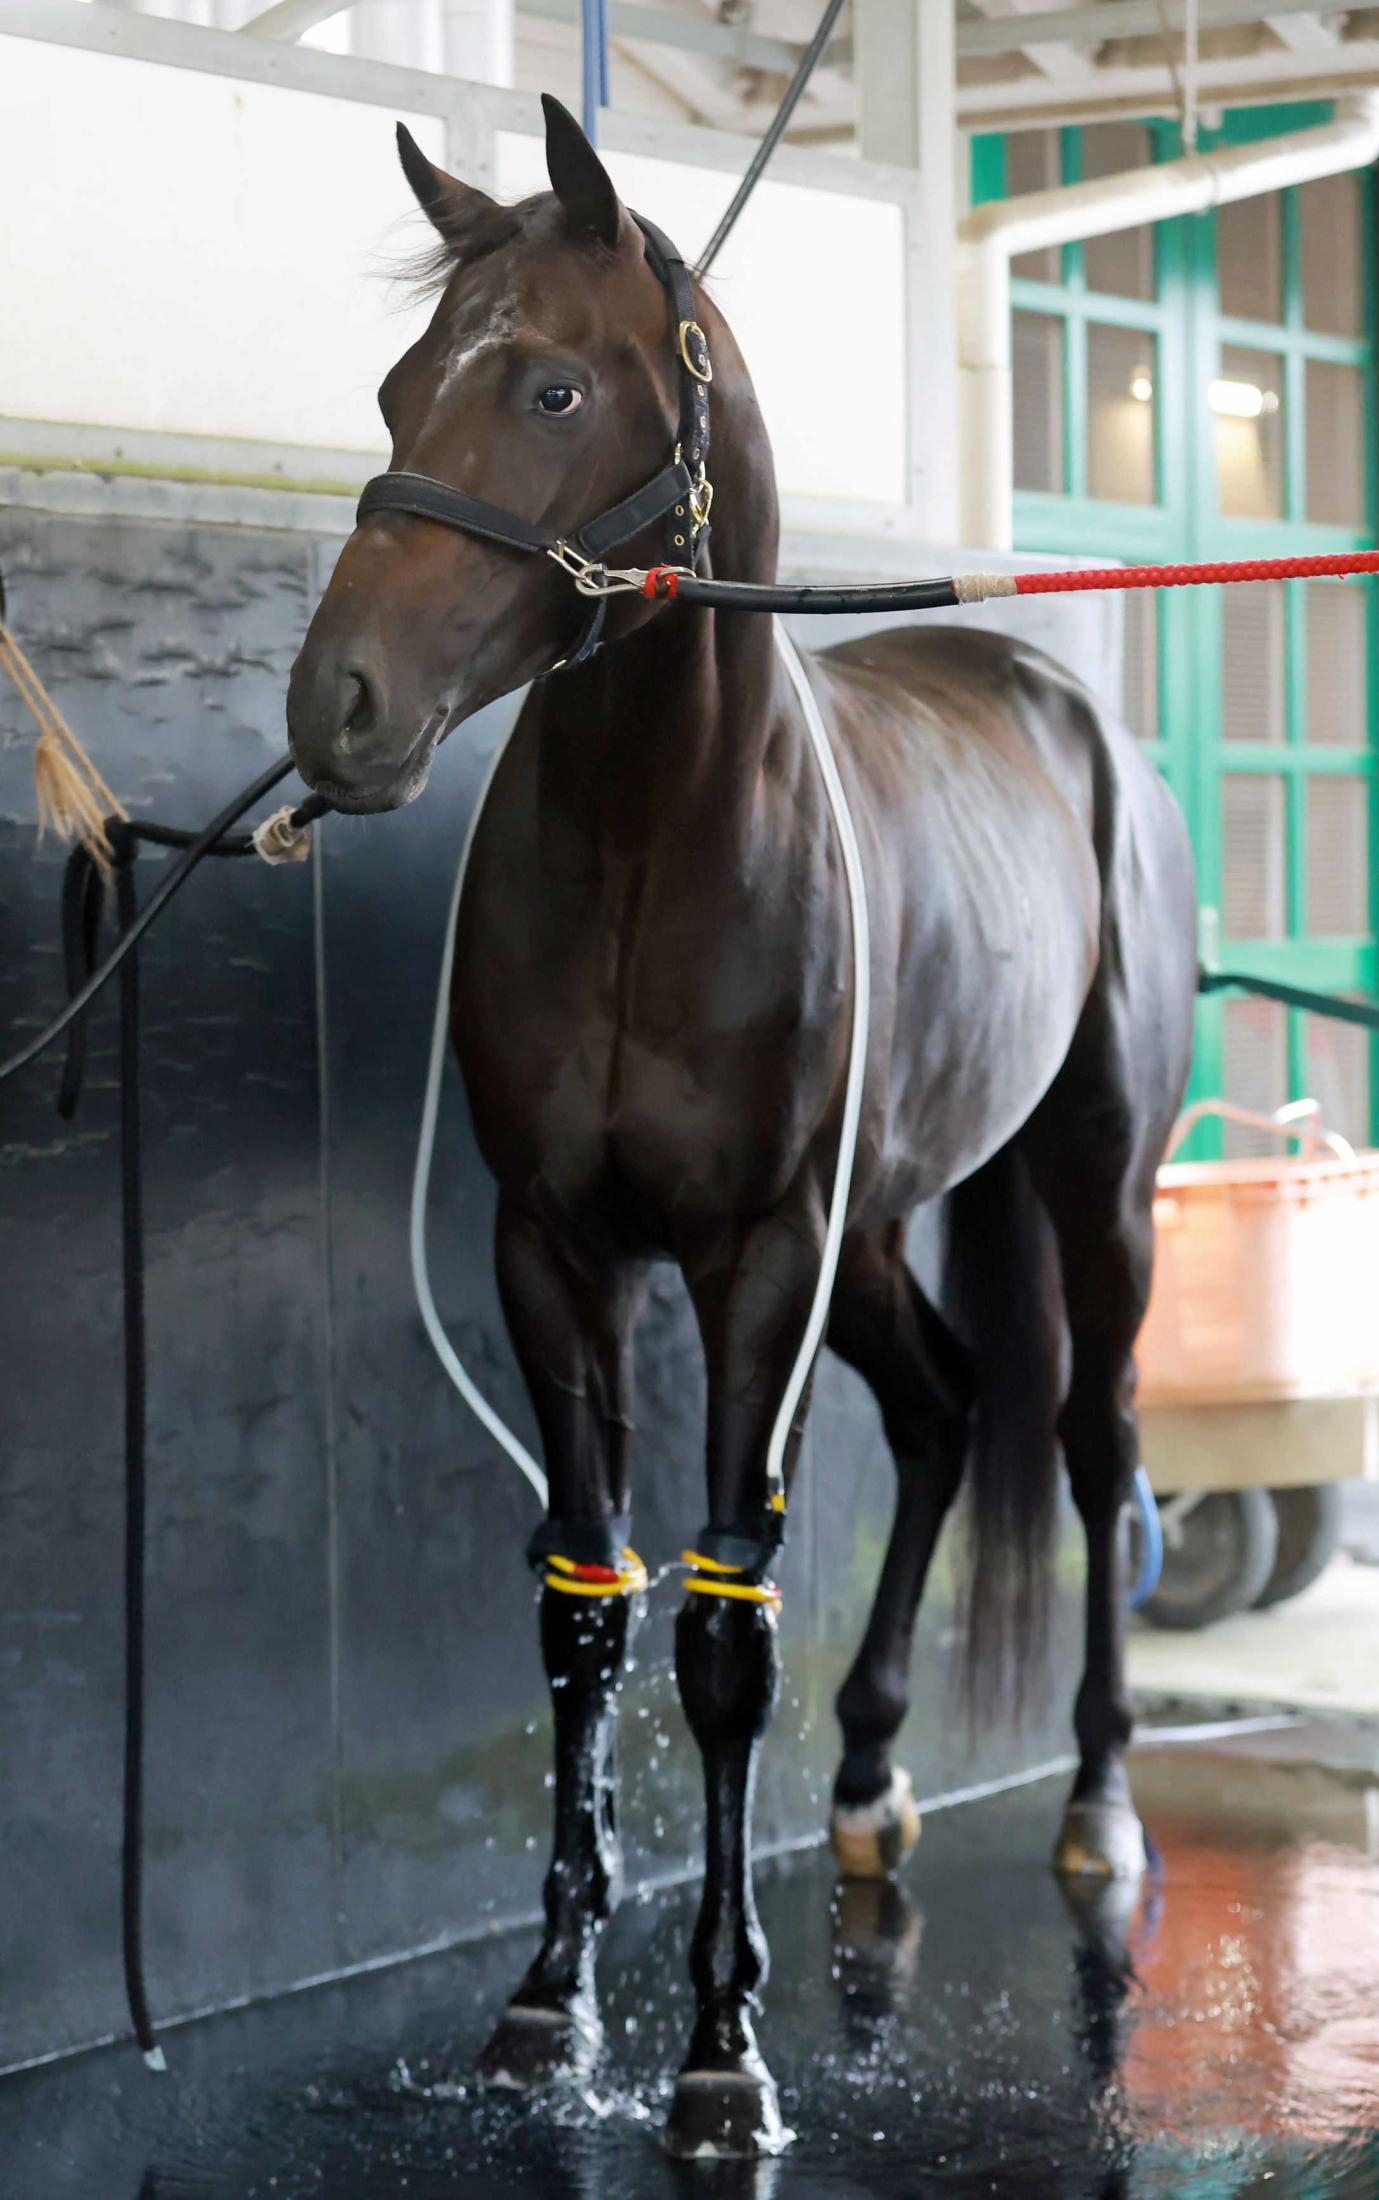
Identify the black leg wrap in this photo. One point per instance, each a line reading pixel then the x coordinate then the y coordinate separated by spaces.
pixel 748 1546
pixel 587 1542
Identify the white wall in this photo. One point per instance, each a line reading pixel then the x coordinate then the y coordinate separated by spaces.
pixel 190 254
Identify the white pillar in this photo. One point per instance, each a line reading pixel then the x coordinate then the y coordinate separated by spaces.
pixel 405 32
pixel 178 11
pixel 478 40
pixel 472 39
pixel 905 73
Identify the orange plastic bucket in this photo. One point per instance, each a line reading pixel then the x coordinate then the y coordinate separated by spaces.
pixel 1266 1272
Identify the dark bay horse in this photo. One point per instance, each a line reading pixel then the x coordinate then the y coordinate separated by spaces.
pixel 651 1007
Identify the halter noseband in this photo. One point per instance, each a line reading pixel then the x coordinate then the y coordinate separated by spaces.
pixel 680 493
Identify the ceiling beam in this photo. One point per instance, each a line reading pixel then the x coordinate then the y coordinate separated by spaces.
pixel 1306 34
pixel 289 19
pixel 1123 19
pixel 1050 56
pixel 1147 89
pixel 694 33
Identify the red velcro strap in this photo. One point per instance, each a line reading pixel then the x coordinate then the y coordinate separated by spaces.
pixel 662 580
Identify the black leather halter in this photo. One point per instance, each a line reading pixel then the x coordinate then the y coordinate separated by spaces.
pixel 680 493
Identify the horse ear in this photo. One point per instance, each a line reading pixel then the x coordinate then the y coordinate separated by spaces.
pixel 578 177
pixel 443 199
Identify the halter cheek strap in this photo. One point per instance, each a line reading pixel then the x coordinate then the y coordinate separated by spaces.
pixel 680 493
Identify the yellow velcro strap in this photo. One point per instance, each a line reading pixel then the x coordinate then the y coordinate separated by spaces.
pixel 631 1577
pixel 751 1592
pixel 778 1501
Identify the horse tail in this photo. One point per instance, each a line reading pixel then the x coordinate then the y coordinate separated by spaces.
pixel 1003 1292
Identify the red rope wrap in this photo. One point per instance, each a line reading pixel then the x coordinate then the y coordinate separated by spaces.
pixel 1189 576
pixel 662 580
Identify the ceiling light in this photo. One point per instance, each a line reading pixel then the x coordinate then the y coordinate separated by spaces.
pixel 1142 385
pixel 1241 400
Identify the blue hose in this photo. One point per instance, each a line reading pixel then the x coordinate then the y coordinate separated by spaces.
pixel 604 100
pixel 593 64
pixel 1151 1542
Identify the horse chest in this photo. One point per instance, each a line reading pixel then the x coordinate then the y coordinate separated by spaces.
pixel 612 1039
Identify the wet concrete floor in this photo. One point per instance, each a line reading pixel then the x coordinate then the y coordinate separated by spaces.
pixel 968 2031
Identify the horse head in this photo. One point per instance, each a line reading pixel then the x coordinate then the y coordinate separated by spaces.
pixel 545 384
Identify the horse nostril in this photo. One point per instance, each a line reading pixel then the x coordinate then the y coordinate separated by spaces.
pixel 360 706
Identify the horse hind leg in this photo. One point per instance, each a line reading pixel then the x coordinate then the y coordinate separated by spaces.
pixel 1098 1189
pixel 1101 1833
pixel 882 1325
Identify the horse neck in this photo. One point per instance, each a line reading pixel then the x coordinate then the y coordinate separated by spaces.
pixel 680 709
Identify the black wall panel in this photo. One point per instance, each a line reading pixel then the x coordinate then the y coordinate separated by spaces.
pixel 347 1729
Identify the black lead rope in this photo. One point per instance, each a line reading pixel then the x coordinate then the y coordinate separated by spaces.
pixel 819 597
pixel 83 896
pixel 196 845
pixel 808 62
pixel 135 1453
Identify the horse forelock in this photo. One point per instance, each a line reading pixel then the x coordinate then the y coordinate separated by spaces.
pixel 472 231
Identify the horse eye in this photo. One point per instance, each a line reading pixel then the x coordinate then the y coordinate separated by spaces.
pixel 560 399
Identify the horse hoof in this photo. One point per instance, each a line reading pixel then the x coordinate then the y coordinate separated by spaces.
pixel 1100 1841
pixel 539 2047
pixel 725 2115
pixel 869 1839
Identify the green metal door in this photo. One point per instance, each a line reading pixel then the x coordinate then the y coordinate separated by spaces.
pixel 1205 388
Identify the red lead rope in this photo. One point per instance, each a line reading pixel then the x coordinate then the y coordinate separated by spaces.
pixel 1190 576
pixel 671 582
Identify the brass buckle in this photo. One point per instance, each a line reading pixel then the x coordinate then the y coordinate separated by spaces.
pixel 700 499
pixel 687 330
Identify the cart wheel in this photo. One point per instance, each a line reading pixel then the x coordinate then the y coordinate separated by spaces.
pixel 1219 1553
pixel 1309 1536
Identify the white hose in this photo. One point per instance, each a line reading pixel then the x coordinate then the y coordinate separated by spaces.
pixel 421 1176
pixel 847 1142
pixel 857 1062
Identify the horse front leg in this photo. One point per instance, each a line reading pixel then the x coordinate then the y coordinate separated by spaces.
pixel 752 1316
pixel 571 1323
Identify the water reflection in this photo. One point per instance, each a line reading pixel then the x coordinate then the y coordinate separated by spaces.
pixel 1209 2034
pixel 1102 1912
pixel 725 2180
pixel 1261 1984
pixel 877 1937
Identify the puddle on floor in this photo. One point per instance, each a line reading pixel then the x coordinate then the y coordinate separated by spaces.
pixel 971 2031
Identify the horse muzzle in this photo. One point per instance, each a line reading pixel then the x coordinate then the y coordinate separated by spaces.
pixel 345 734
